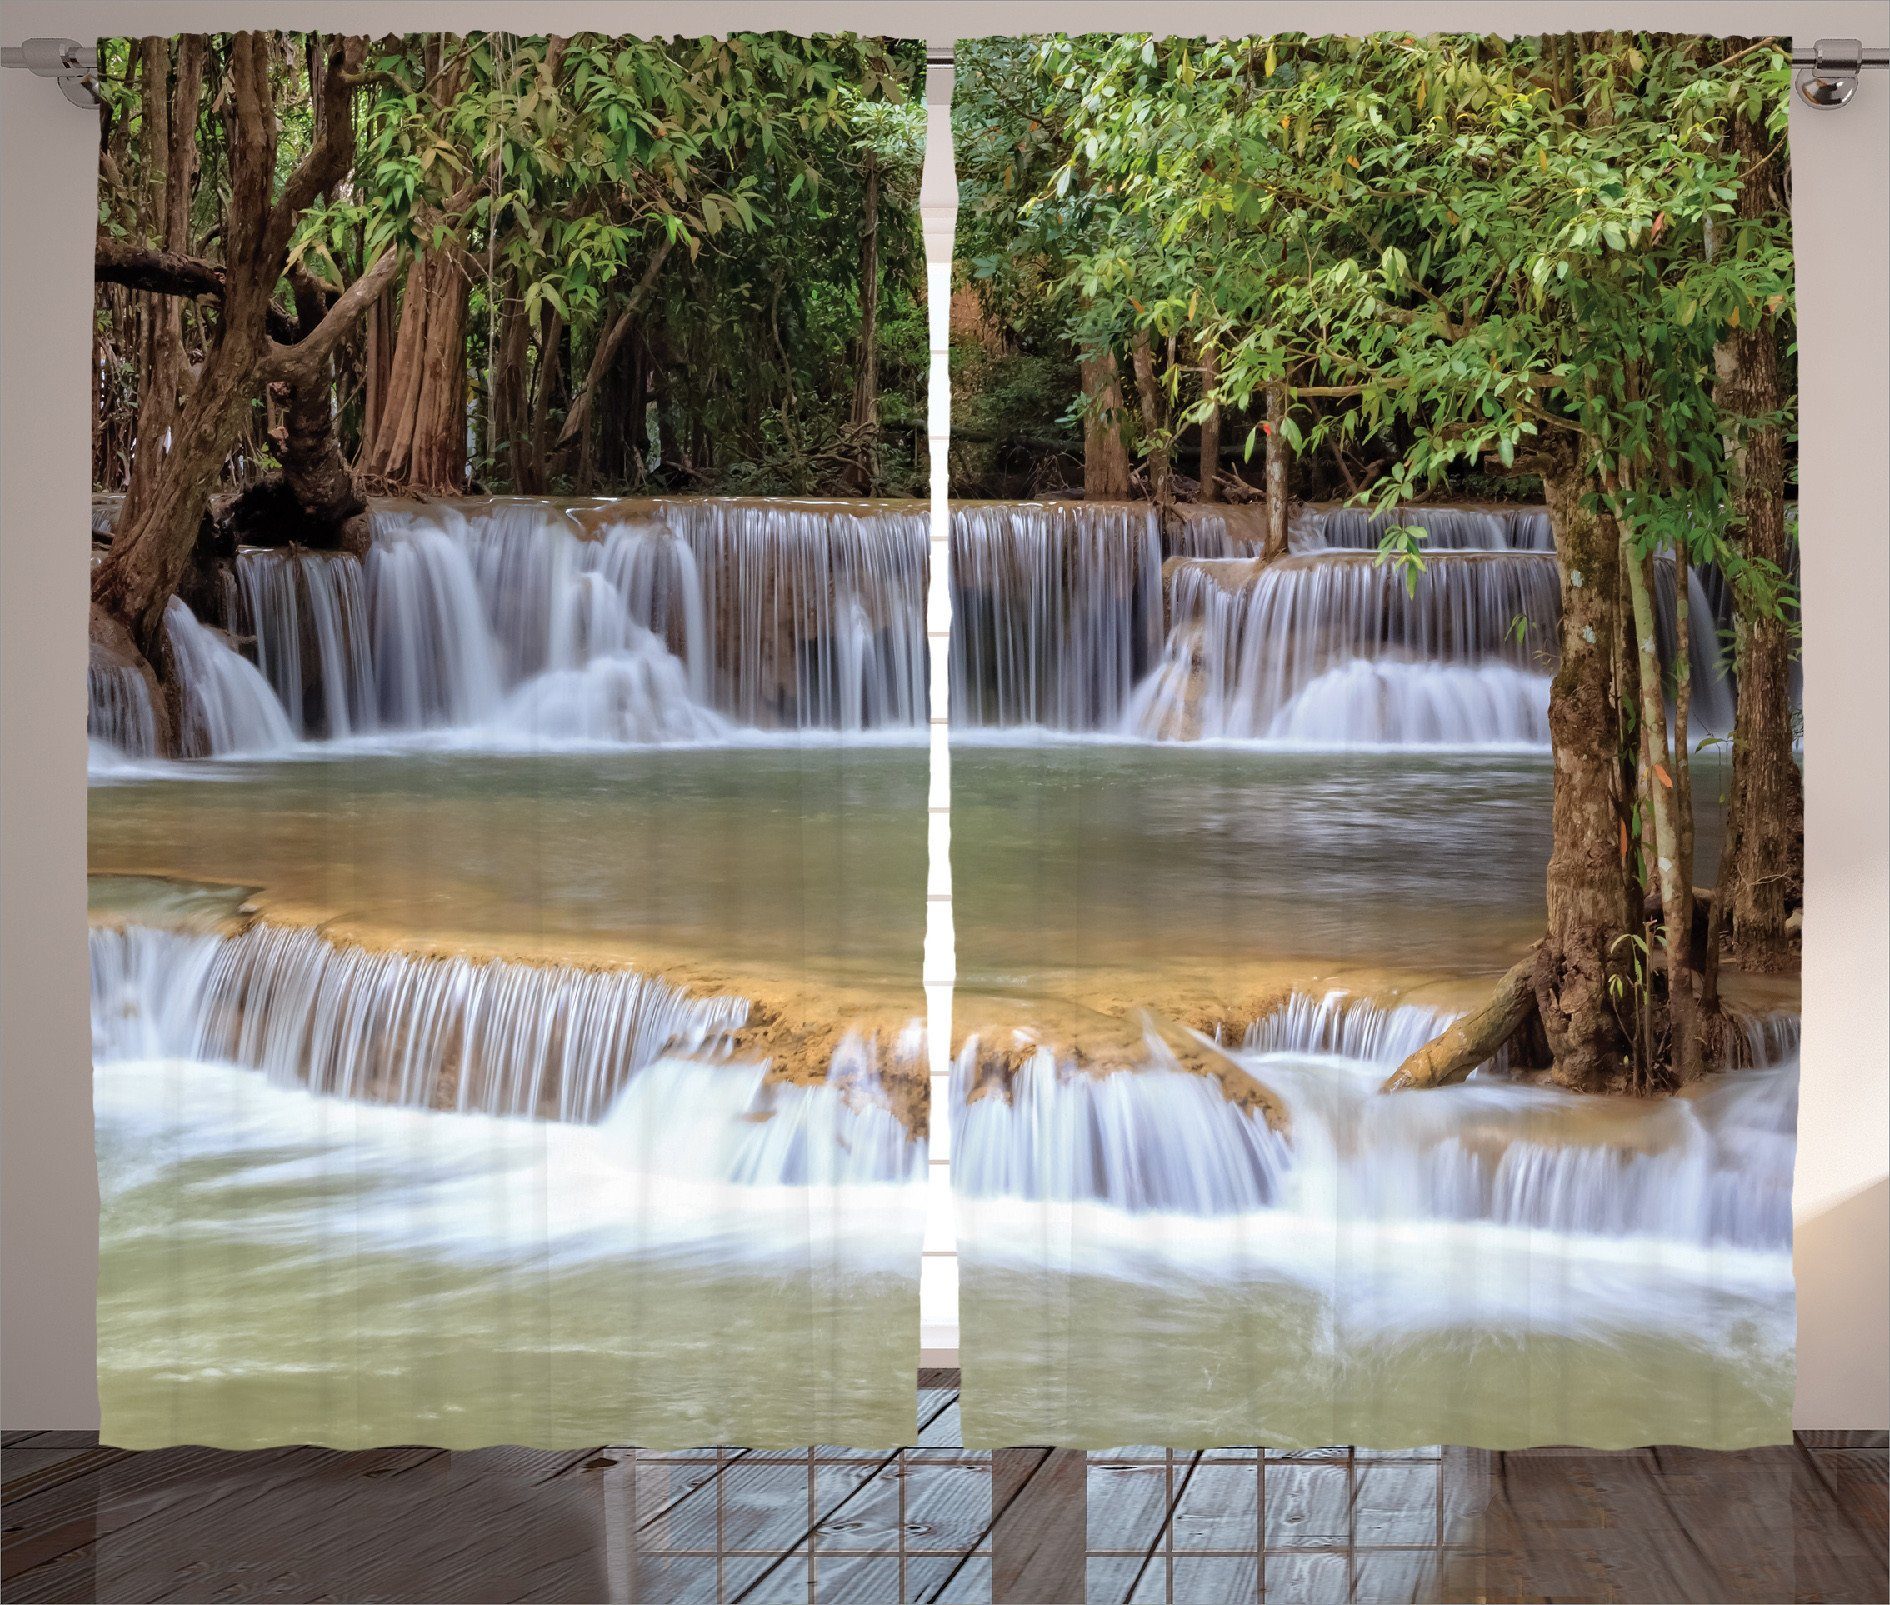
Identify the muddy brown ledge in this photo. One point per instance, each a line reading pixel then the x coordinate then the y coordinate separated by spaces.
pixel 1094 1022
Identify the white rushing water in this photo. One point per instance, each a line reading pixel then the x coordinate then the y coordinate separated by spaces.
pixel 1056 611
pixel 500 1038
pixel 494 1036
pixel 1495 1263
pixel 1392 704
pixel 703 1154
pixel 1710 1170
pixel 120 718
pixel 1460 529
pixel 228 707
pixel 309 614
pixel 688 622
pixel 1341 650
pixel 512 624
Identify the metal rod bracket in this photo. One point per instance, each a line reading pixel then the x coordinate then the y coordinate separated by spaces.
pixel 73 66
pixel 1827 73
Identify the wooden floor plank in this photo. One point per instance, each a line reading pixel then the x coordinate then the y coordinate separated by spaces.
pixel 1039 1524
pixel 34 1467
pixel 1792 1523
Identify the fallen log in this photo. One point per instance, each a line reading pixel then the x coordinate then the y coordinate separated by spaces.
pixel 1476 1037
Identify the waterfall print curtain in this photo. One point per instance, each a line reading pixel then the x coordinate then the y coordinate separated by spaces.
pixel 1377 836
pixel 1375 809
pixel 508 772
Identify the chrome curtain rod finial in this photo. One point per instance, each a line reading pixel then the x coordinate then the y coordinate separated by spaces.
pixel 71 65
pixel 1827 73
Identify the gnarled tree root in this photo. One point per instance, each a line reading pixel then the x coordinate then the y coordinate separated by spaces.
pixel 1477 1037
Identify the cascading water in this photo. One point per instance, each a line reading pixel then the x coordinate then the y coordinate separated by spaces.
pixel 1709 1169
pixel 810 616
pixel 308 614
pixel 676 623
pixel 1056 611
pixel 228 707
pixel 1216 529
pixel 1339 649
pixel 1159 1138
pixel 635 694
pixel 491 1036
pixel 119 716
pixel 1712 699
pixel 816 611
pixel 1389 704
pixel 1457 529
pixel 496 1037
pixel 435 659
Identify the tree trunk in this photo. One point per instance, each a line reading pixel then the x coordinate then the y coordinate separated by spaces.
pixel 1210 463
pixel 1154 422
pixel 546 378
pixel 1764 871
pixel 510 398
pixel 170 141
pixel 1590 894
pixel 1105 452
pixel 313 500
pixel 1673 874
pixel 609 343
pixel 1279 468
pixel 377 372
pixel 421 441
pixel 152 547
pixel 866 377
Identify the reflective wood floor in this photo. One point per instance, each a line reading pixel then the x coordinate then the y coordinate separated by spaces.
pixel 938 1522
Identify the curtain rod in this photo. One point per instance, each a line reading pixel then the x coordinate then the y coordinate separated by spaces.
pixel 1827 72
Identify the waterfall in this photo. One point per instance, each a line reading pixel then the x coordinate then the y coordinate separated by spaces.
pixel 513 618
pixel 1339 648
pixel 810 616
pixel 730 1123
pixel 1154 1139
pixel 1455 529
pixel 436 661
pixel 1385 704
pixel 655 577
pixel 1712 1168
pixel 1217 529
pixel 228 706
pixel 487 1035
pixel 118 713
pixel 497 1037
pixel 817 612
pixel 308 614
pixel 1056 611
pixel 1712 702
pixel 637 693
pixel 1339 1025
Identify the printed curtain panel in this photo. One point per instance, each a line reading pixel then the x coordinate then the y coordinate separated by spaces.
pixel 507 708
pixel 1377 814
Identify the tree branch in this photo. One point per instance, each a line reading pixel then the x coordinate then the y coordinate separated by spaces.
pixel 607 348
pixel 329 158
pixel 116 261
pixel 1478 1036
pixel 298 362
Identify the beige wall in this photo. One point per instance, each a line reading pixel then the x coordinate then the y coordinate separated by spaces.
pixel 47 1188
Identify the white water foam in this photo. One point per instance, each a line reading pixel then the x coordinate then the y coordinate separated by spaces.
pixel 695 1166
pixel 229 708
pixel 1707 1171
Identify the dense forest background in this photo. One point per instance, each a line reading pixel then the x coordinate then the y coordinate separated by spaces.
pixel 1394 269
pixel 1137 214
pixel 595 265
